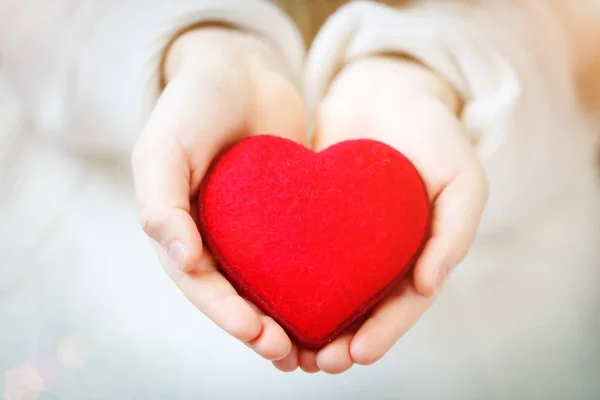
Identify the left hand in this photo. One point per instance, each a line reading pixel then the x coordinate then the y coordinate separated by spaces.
pixel 403 104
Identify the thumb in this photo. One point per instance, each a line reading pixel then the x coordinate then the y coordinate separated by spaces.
pixel 456 216
pixel 161 180
pixel 165 174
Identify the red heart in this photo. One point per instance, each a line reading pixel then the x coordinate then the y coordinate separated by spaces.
pixel 314 239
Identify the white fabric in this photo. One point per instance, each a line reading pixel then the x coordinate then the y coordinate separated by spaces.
pixel 517 320
pixel 88 70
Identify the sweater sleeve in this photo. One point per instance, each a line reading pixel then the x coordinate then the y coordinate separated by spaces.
pixel 88 71
pixel 510 62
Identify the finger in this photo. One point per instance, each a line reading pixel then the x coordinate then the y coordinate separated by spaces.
pixel 177 145
pixel 456 216
pixel 335 358
pixel 290 362
pixel 272 343
pixel 388 323
pixel 215 297
pixel 307 360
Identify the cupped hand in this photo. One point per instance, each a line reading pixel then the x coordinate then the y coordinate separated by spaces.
pixel 403 104
pixel 220 86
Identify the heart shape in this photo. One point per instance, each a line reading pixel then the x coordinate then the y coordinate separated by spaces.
pixel 314 239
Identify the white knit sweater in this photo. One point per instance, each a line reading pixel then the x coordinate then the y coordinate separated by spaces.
pixel 78 78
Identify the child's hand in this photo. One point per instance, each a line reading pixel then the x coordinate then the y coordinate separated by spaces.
pixel 403 104
pixel 221 85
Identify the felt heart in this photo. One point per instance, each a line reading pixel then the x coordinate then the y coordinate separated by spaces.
pixel 315 240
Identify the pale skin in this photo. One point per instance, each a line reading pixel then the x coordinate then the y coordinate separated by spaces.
pixel 222 85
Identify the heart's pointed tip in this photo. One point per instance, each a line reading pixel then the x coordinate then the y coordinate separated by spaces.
pixel 313 343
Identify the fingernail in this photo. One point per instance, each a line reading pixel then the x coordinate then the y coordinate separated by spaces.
pixel 176 252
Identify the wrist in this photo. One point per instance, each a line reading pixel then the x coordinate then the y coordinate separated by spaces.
pixel 414 78
pixel 222 45
pixel 386 98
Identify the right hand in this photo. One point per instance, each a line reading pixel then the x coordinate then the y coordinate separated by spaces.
pixel 220 86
